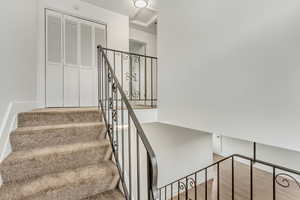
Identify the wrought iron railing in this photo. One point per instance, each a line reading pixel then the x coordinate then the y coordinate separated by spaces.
pixel 137 75
pixel 199 185
pixel 132 151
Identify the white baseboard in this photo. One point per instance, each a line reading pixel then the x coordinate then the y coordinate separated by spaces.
pixel 9 123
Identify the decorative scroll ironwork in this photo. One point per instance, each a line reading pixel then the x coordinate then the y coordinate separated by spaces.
pixel 116 145
pixel 136 59
pixel 190 182
pixel 109 76
pixel 125 57
pixel 284 180
pixel 109 128
pixel 115 115
pixel 132 77
pixel 114 88
pixel 181 186
pixel 111 103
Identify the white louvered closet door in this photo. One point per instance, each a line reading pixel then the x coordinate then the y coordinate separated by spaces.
pixel 88 70
pixel 54 60
pixel 71 62
pixel 78 84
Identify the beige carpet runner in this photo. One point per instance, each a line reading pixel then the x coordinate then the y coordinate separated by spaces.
pixel 60 154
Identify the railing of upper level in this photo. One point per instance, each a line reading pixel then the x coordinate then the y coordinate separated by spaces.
pixel 131 148
pixel 198 185
pixel 137 75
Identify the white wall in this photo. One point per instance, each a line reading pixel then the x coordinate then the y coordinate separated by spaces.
pixel 232 68
pixel 18 22
pixel 179 151
pixel 18 32
pixel 148 38
pixel 117 29
pixel 279 156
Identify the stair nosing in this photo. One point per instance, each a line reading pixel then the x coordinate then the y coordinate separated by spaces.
pixel 30 129
pixel 59 111
pixel 18 156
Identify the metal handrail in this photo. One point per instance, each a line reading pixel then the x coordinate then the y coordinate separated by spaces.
pixel 129 53
pixel 150 152
pixel 286 182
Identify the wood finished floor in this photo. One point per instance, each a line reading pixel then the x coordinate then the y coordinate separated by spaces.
pixel 262 187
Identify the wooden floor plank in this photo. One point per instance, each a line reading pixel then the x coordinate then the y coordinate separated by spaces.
pixel 262 185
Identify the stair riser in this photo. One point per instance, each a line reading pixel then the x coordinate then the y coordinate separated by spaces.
pixel 56 118
pixel 52 137
pixel 77 184
pixel 87 189
pixel 53 163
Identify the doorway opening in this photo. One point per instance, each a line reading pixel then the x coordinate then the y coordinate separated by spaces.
pixel 137 47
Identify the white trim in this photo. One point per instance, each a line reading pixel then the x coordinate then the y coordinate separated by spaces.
pixel 9 123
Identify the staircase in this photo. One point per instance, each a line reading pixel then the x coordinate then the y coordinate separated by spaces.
pixel 60 154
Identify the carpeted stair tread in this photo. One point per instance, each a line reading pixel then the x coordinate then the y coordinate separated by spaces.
pixel 27 138
pixel 64 110
pixel 110 195
pixel 30 130
pixel 21 165
pixel 47 117
pixel 76 184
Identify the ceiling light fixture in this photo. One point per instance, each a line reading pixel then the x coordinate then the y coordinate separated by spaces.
pixel 141 3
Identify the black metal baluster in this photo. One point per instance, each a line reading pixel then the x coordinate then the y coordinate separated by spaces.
pixel 160 193
pixel 151 74
pixel 274 183
pixel 218 176
pixel 122 71
pixel 107 96
pixel 166 193
pixel 195 186
pixel 251 180
pixel 186 189
pixel 145 80
pixel 114 62
pixel 156 80
pixel 139 78
pixel 129 154
pixel 171 191
pixel 123 148
pixel 99 76
pixel 117 124
pixel 130 77
pixel 103 80
pixel 206 184
pixel 113 117
pixel 232 176
pixel 178 190
pixel 138 164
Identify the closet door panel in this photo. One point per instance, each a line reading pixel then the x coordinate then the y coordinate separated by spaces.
pixel 86 33
pixel 54 38
pixel 54 64
pixel 88 87
pixel 54 86
pixel 71 87
pixel 71 42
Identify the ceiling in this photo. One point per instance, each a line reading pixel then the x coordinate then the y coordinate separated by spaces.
pixel 139 18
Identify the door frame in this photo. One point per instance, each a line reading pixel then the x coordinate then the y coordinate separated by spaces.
pixel 60 12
